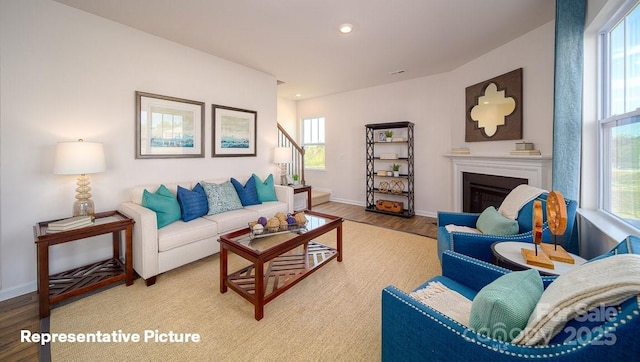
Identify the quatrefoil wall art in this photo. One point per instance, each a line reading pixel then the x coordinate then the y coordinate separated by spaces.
pixel 494 109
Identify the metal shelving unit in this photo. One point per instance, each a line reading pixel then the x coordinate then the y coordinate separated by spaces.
pixel 375 147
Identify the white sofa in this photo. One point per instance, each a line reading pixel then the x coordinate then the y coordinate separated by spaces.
pixel 156 251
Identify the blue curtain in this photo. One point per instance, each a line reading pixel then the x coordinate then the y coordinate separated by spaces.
pixel 567 103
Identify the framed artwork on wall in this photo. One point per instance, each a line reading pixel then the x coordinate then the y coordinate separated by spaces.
pixel 168 127
pixel 494 108
pixel 234 132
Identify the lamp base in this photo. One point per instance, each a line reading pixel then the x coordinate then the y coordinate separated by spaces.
pixel 84 207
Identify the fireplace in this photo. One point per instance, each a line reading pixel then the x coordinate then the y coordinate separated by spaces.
pixel 536 170
pixel 480 191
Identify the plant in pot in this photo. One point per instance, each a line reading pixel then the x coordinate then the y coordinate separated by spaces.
pixel 396 169
pixel 296 179
pixel 388 134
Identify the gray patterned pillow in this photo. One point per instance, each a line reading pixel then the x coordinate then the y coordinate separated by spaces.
pixel 221 197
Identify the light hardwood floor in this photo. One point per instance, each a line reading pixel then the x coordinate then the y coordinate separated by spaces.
pixel 21 312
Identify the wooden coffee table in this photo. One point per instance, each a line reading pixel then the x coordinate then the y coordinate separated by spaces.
pixel 288 257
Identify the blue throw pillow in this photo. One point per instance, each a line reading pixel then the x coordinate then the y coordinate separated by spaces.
pixel 247 193
pixel 193 203
pixel 164 204
pixel 266 190
pixel 221 197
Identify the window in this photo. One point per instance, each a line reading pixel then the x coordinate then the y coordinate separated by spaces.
pixel 313 143
pixel 620 117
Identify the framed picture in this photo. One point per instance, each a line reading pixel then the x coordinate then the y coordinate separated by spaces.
pixel 234 132
pixel 168 127
pixel 381 137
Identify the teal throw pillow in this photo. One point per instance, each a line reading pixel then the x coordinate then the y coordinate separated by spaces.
pixel 193 203
pixel 247 193
pixel 221 197
pixel 492 223
pixel 164 204
pixel 266 190
pixel 502 309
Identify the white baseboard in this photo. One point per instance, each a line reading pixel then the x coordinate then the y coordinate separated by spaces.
pixel 17 291
pixel 360 203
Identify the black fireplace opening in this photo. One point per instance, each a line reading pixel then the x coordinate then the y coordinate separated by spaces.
pixel 480 191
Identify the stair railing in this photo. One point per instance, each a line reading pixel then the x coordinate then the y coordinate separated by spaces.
pixel 296 166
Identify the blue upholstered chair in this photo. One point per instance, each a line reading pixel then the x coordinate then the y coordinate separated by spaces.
pixel 412 331
pixel 478 246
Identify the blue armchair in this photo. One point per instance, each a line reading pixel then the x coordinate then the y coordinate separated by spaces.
pixel 478 246
pixel 412 331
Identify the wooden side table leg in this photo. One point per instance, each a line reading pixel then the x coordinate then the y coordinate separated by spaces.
pixel 128 254
pixel 43 279
pixel 308 199
pixel 223 269
pixel 339 242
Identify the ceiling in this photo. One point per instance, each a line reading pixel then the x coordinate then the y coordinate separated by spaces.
pixel 298 42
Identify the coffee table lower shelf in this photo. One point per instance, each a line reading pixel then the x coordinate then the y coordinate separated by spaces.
pixel 282 272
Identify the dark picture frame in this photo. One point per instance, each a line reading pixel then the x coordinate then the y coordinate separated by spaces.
pixel 168 127
pixel 234 132
pixel 511 84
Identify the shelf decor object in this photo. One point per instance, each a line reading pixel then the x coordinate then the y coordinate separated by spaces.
pixel 557 220
pixel 535 257
pixel 80 158
pixel 395 148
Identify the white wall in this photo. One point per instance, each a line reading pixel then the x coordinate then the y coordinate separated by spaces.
pixel 436 105
pixel 66 74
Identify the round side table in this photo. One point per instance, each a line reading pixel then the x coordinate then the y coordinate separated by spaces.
pixel 507 254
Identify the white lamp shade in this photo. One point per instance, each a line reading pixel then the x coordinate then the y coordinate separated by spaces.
pixel 282 155
pixel 75 158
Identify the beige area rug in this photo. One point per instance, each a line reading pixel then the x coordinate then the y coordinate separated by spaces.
pixel 333 314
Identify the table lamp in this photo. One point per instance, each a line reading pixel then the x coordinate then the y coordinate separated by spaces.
pixel 282 156
pixel 80 158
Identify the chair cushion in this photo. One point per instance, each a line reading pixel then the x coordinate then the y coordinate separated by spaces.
pixel 492 223
pixel 247 193
pixel 502 309
pixel 164 204
pixel 266 189
pixel 221 197
pixel 193 203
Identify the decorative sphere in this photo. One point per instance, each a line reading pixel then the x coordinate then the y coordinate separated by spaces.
pixel 291 220
pixel 258 229
pixel 262 221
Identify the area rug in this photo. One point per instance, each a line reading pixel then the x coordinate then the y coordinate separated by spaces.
pixel 333 314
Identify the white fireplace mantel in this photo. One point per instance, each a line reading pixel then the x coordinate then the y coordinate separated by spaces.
pixel 536 169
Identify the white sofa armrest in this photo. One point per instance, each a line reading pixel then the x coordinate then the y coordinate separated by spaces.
pixel 145 239
pixel 285 194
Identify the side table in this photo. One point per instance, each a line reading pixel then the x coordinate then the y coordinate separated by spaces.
pixel 304 188
pixel 507 254
pixel 55 288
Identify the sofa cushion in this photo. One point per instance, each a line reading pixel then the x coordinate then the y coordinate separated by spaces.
pixel 269 208
pixel 502 309
pixel 233 220
pixel 182 233
pixel 221 197
pixel 492 223
pixel 164 204
pixel 266 190
pixel 193 203
pixel 247 193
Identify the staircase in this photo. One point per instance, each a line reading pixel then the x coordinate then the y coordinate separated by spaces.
pixel 319 197
pixel 296 166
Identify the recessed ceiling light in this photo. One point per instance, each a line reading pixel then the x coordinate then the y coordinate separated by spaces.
pixel 298 95
pixel 346 28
